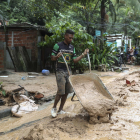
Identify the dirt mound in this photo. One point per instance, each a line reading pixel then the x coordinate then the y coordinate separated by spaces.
pixel 37 133
pixel 72 125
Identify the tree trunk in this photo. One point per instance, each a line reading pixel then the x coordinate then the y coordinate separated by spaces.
pixel 103 12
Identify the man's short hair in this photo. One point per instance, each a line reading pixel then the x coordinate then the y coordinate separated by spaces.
pixel 68 31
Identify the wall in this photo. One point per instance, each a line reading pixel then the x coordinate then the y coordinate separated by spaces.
pixel 19 37
pixel 2 56
pixel 26 38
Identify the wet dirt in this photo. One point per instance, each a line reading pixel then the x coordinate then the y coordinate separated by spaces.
pixel 74 125
pixel 42 84
pixel 94 98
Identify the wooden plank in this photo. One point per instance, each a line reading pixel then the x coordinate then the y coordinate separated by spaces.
pixel 14 57
pixel 25 59
pixel 21 58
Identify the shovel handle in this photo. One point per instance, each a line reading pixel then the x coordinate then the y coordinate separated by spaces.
pixel 89 62
pixel 65 63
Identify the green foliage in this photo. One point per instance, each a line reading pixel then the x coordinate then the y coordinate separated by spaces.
pixel 81 41
pixel 3 92
pixel 82 65
pixel 104 55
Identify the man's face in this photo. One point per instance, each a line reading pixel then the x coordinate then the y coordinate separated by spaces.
pixel 69 38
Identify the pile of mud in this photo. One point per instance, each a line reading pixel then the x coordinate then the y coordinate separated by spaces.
pixel 36 133
pixel 94 99
pixel 72 126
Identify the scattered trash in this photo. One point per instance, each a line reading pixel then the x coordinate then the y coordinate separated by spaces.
pixel 33 73
pixel 29 77
pixel 25 106
pixel 2 102
pixel 4 76
pixel 18 89
pixel 38 96
pixel 128 82
pixel 102 67
pixel 133 83
pixel 23 78
pixel 45 72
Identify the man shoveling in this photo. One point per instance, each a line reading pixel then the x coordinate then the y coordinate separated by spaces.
pixel 63 84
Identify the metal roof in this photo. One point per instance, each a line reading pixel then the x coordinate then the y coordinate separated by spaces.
pixel 26 25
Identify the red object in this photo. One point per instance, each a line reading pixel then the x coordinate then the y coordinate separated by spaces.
pixel 38 96
pixel 128 82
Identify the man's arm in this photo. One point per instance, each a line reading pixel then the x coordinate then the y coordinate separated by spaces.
pixel 81 56
pixel 131 50
pixel 54 58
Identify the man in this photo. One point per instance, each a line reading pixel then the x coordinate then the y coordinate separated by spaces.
pixel 63 84
pixel 128 54
pixel 131 54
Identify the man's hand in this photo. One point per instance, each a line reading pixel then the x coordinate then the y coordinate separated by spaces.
pixel 81 56
pixel 86 51
pixel 59 54
pixel 54 58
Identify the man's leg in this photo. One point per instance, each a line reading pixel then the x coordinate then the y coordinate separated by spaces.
pixel 63 100
pixel 68 89
pixel 61 91
pixel 57 98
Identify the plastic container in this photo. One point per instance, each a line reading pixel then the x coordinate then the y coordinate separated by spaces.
pixel 23 78
pixel 45 72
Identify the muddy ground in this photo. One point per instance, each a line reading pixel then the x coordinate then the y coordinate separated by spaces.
pixel 124 124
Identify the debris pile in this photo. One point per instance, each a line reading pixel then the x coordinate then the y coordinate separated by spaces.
pixel 22 101
pixel 25 105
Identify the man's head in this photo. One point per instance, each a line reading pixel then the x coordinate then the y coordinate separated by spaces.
pixel 69 34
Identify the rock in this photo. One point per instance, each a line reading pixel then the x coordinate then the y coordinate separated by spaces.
pixel 120 102
pixel 125 96
pixel 116 128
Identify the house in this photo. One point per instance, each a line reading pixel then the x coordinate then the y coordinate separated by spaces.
pixel 118 39
pixel 19 35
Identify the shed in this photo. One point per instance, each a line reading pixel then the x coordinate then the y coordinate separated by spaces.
pixel 21 36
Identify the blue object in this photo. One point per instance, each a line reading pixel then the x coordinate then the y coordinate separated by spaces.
pixel 45 72
pixel 23 78
pixel 97 32
pixel 126 45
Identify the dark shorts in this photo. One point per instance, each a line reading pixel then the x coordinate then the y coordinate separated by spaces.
pixel 128 56
pixel 131 56
pixel 63 83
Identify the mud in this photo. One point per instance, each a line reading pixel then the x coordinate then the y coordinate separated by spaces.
pixel 40 84
pixel 37 133
pixel 94 98
pixel 74 125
